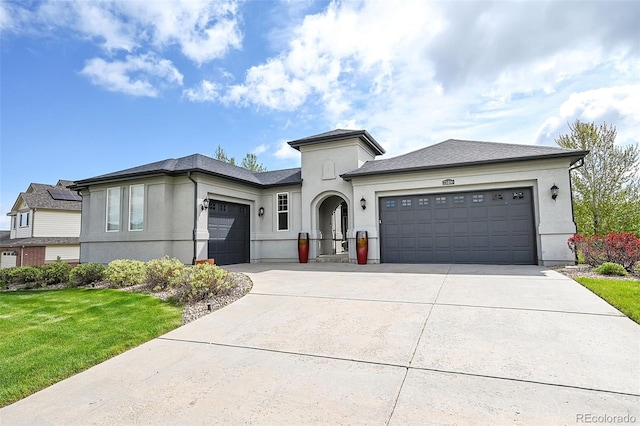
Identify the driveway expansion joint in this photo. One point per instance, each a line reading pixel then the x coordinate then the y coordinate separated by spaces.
pixel 510 308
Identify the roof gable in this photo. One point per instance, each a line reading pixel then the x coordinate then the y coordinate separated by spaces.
pixel 457 153
pixel 38 196
pixel 337 135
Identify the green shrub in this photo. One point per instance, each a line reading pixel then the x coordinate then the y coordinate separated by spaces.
pixel 6 276
pixel 26 275
pixel 54 273
pixel 86 274
pixel 125 272
pixel 609 268
pixel 202 282
pixel 164 273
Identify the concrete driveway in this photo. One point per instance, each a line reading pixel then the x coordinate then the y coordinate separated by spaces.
pixel 372 344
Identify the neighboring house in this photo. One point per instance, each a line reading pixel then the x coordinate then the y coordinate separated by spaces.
pixel 45 225
pixel 453 202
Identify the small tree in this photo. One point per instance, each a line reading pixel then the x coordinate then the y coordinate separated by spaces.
pixel 222 156
pixel 607 187
pixel 250 161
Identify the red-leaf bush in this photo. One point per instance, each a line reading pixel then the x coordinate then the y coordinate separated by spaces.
pixel 623 249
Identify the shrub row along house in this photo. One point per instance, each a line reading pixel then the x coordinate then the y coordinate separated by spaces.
pixel 453 202
pixel 45 226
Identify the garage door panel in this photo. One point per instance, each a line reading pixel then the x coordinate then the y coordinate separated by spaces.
pixel 470 227
pixel 229 233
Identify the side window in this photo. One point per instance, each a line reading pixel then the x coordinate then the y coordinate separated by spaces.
pixel 113 209
pixel 136 208
pixel 283 211
pixel 13 222
pixel 24 219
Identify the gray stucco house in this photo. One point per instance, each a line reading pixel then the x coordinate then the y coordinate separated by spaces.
pixel 453 202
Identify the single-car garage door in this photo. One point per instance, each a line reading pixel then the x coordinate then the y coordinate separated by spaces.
pixel 490 227
pixel 228 232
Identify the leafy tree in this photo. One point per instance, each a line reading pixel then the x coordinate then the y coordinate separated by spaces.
pixel 250 161
pixel 222 156
pixel 607 186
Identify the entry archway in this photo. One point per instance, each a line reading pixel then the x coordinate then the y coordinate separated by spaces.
pixel 333 223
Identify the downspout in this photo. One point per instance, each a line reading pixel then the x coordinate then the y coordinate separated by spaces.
pixel 195 217
pixel 579 163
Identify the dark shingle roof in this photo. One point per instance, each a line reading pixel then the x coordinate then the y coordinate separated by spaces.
pixel 203 164
pixel 456 153
pixel 38 197
pixel 340 134
pixel 6 242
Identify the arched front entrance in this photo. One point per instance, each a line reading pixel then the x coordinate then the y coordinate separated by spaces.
pixel 333 222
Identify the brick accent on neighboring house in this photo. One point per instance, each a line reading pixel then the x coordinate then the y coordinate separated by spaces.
pixel 29 256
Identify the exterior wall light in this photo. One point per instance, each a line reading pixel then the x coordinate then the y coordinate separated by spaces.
pixel 205 203
pixel 554 192
pixel 261 211
pixel 363 203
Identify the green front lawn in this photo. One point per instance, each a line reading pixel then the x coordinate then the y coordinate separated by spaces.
pixel 46 336
pixel 623 294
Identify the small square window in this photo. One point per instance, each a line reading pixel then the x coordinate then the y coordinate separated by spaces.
pixel 441 200
pixel 390 204
pixel 423 201
pixel 518 195
pixel 406 203
pixel 458 199
pixel 497 196
pixel 477 198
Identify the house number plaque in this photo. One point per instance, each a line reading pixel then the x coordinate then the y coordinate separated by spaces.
pixel 448 182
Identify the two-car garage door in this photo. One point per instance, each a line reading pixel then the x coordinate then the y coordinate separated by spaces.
pixel 490 227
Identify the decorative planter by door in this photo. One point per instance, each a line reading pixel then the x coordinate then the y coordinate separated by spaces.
pixel 362 247
pixel 303 247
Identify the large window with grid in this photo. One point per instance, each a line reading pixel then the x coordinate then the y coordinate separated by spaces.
pixel 283 211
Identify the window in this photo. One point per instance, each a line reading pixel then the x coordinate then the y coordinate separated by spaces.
pixel 283 212
pixel 24 219
pixel 518 195
pixel 390 204
pixel 13 222
pixel 113 209
pixel 458 199
pixel 423 201
pixel 497 196
pixel 406 203
pixel 477 198
pixel 441 200
pixel 136 208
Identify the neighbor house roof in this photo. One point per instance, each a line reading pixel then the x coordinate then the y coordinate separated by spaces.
pixel 202 164
pixel 339 134
pixel 52 197
pixel 7 242
pixel 460 153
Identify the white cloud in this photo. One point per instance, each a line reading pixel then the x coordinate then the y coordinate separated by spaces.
pixel 285 152
pixel 414 73
pixel 618 106
pixel 137 75
pixel 207 91
pixel 202 30
pixel 260 149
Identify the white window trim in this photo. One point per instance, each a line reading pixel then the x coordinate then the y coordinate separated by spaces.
pixel 106 206
pixel 131 207
pixel 287 211
pixel 28 219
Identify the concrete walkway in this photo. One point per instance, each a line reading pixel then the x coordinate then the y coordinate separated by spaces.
pixel 371 344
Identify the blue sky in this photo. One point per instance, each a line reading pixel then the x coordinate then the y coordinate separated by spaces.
pixel 94 87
